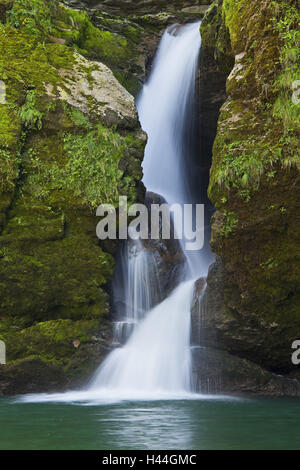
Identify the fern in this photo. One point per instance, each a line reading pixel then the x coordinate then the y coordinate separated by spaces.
pixel 30 115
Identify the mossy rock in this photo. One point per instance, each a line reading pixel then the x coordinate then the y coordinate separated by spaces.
pixel 62 155
pixel 53 340
pixel 254 183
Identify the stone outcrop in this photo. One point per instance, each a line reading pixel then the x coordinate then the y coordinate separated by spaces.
pixel 218 372
pixel 142 7
pixel 169 259
pixel 99 93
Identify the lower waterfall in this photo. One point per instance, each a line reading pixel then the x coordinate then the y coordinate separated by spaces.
pixel 156 358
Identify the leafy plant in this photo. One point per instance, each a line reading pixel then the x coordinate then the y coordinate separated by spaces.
pixel 286 22
pixel 33 16
pixel 230 223
pixel 30 115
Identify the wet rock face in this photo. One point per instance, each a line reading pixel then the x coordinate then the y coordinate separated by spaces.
pixel 169 257
pixel 198 306
pixel 248 335
pixel 214 67
pixel 216 371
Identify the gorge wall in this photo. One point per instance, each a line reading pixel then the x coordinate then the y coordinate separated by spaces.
pixel 69 140
pixel 252 300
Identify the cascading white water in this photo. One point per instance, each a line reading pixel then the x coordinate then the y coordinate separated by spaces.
pixel 156 358
pixel 136 288
pixel 155 361
pixel 164 108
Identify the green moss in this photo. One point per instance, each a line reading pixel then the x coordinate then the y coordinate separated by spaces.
pixel 26 64
pixel 30 116
pixel 234 12
pixel 230 223
pixel 216 39
pixel 9 171
pixel 52 341
pixel 57 165
pixel 88 168
pixel 10 125
pixel 95 157
pixel 110 39
pixel 256 137
pixel 102 44
pixel 47 275
pixel 5 5
pixel 31 16
pixel 254 183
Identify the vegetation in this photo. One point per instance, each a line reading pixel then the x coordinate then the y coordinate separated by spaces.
pixel 254 180
pixel 31 117
pixel 286 23
pixel 57 164
pixel 264 136
pixel 31 16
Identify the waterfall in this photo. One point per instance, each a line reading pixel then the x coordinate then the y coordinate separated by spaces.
pixel 156 359
pixel 167 113
pixel 153 354
pixel 165 109
pixel 136 288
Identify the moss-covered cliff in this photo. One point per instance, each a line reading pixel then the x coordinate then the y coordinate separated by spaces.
pixel 69 141
pixel 254 290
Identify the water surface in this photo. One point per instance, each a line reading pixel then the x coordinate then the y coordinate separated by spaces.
pixel 177 424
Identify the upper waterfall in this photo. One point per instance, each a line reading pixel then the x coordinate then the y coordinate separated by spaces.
pixel 164 107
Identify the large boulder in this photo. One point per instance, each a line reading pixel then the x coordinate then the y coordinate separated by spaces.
pixel 98 93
